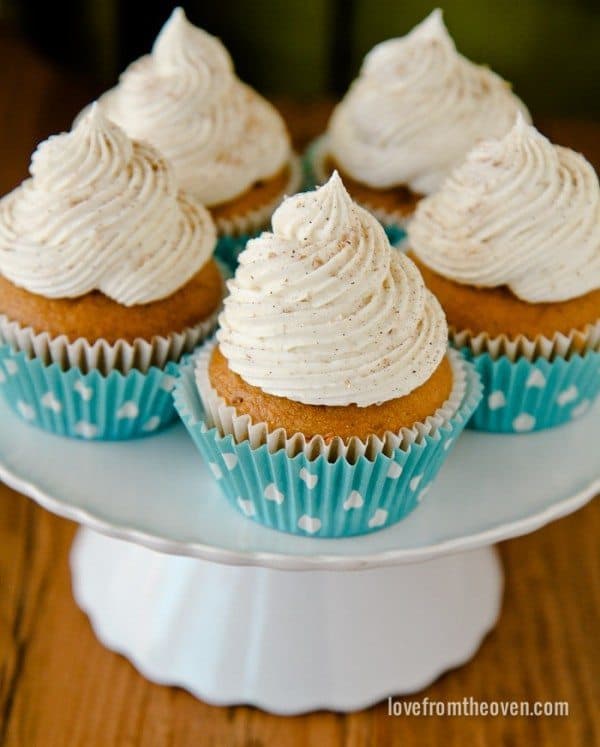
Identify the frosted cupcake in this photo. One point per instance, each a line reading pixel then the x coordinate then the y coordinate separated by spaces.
pixel 414 112
pixel 229 147
pixel 106 280
pixel 330 400
pixel 511 247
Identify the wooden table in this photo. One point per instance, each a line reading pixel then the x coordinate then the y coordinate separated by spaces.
pixel 59 686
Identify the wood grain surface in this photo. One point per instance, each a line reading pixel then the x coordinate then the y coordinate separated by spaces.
pixel 60 687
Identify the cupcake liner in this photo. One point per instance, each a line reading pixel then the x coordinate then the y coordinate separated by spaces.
pixel 225 418
pixel 298 487
pixel 560 345
pixel 316 174
pixel 524 395
pixel 530 385
pixel 91 405
pixel 101 355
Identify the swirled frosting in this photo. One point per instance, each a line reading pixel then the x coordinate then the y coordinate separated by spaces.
pixel 323 311
pixel 416 109
pixel 519 212
pixel 102 212
pixel 185 99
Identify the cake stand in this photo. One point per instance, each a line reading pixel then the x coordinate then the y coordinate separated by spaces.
pixel 196 595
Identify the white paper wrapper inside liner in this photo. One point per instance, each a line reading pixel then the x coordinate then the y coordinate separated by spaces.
pixel 259 217
pixel 101 355
pixel 318 153
pixel 559 346
pixel 241 427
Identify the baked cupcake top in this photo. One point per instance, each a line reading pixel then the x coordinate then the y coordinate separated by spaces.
pixel 322 311
pixel 415 110
pixel 520 212
pixel 185 99
pixel 102 212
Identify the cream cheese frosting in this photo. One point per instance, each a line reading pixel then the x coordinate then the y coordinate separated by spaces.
pixel 185 99
pixel 102 212
pixel 322 311
pixel 520 212
pixel 416 109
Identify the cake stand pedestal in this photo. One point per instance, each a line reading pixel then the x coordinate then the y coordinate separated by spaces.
pixel 197 596
pixel 286 641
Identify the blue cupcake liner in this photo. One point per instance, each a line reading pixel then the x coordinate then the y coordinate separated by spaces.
pixel 522 396
pixel 317 497
pixel 89 406
pixel 395 232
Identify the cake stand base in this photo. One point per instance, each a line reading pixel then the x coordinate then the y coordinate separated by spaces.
pixel 286 641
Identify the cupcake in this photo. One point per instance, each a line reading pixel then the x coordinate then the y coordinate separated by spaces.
pixel 330 399
pixel 229 147
pixel 511 247
pixel 414 112
pixel 106 280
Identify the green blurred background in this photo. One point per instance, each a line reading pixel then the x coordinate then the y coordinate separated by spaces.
pixel 548 49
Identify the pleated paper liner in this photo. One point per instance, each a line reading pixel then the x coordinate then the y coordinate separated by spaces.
pixel 317 173
pixel 318 489
pixel 235 232
pixel 102 355
pixel 91 405
pixel 100 390
pixel 530 385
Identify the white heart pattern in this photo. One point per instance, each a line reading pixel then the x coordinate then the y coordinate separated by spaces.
pixel 25 410
pixel 168 383
pixel 84 391
pixel 272 494
pixel 308 477
pixel 11 367
pixel 536 379
pixel 85 429
pixel 523 423
pixel 496 400
pixel 310 524
pixel 448 444
pixel 247 507
pixel 581 408
pixel 128 411
pixel 50 401
pixel 394 471
pixel 568 395
pixel 230 459
pixel 379 518
pixel 216 470
pixel 354 500
pixel 414 483
pixel 151 424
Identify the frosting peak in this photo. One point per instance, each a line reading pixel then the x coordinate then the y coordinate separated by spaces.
pixel 101 212
pixel 181 47
pixel 324 312
pixel 185 99
pixel 293 220
pixel 519 212
pixel 416 109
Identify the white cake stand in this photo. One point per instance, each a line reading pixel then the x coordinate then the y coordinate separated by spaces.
pixel 197 596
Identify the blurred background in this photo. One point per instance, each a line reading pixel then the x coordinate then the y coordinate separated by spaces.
pixel 548 49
